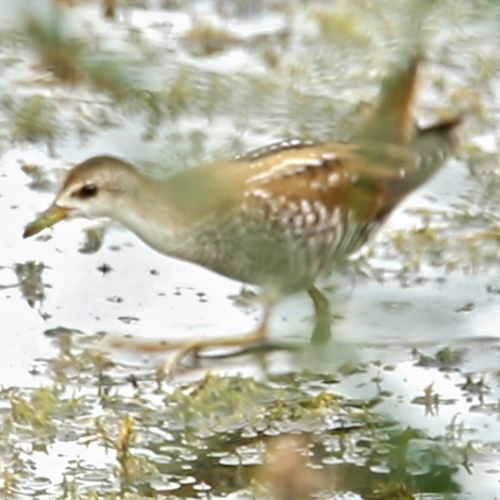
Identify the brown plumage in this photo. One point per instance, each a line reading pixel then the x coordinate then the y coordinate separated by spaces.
pixel 279 216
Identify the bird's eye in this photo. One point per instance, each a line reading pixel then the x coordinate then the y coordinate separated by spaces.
pixel 86 191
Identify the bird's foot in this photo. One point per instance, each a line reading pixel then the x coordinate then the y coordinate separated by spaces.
pixel 252 342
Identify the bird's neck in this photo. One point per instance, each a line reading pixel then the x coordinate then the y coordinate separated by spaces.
pixel 147 210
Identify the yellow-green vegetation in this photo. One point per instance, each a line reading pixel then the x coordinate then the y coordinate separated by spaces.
pixel 29 275
pixel 209 90
pixel 140 443
pixel 206 39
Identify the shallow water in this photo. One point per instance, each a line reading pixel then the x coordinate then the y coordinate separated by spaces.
pixel 273 74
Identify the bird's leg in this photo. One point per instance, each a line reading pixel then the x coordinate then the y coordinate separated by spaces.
pixel 323 317
pixel 254 337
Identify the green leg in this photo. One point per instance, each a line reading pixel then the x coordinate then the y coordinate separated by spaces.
pixel 323 317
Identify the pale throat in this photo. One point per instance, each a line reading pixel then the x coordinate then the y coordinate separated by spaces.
pixel 147 211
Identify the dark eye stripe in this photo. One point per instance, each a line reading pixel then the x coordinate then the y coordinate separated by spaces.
pixel 86 191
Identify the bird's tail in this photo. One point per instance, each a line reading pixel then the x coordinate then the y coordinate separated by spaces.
pixel 404 155
pixel 392 119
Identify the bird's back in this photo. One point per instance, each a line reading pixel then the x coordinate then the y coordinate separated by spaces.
pixel 285 213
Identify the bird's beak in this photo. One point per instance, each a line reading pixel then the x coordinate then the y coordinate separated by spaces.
pixel 51 216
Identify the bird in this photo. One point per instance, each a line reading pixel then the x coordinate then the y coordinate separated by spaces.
pixel 281 216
